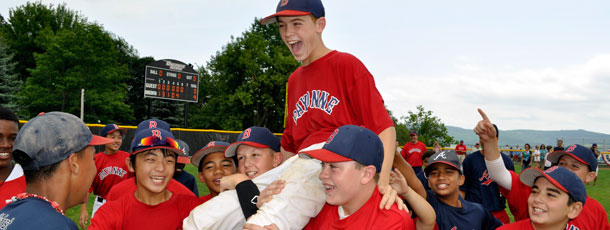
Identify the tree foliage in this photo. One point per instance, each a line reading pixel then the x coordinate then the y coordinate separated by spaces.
pixel 82 57
pixel 26 22
pixel 9 81
pixel 244 84
pixel 429 128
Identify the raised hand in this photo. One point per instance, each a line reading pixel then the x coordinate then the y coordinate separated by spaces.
pixel 485 129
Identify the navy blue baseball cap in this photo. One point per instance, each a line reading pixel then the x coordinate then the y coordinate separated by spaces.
pixel 258 137
pixel 295 8
pixel 448 157
pixel 578 152
pixel 154 138
pixel 186 150
pixel 561 177
pixel 109 128
pixel 50 138
pixel 153 123
pixel 211 147
pixel 413 132
pixel 349 143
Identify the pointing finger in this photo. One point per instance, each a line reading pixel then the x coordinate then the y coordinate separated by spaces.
pixel 483 115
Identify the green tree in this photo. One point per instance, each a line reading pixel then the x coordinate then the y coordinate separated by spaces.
pixel 244 84
pixel 429 128
pixel 85 57
pixel 402 133
pixel 9 81
pixel 23 26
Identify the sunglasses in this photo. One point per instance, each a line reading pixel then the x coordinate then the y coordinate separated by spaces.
pixel 155 141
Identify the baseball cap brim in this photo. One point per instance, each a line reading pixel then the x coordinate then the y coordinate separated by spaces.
pixel 428 168
pixel 555 156
pixel 183 160
pixel 196 159
pixel 98 140
pixel 122 130
pixel 273 18
pixel 529 176
pixel 326 155
pixel 177 151
pixel 232 149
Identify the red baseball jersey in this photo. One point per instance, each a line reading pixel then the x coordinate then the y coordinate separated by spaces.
pixel 592 216
pixel 111 170
pixel 413 152
pixel 14 184
pixel 369 216
pixel 205 198
pixel 129 187
pixel 519 225
pixel 129 213
pixel 460 149
pixel 333 91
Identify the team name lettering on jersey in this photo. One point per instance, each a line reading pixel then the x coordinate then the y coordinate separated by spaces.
pixel 572 227
pixel 317 99
pixel 485 179
pixel 111 170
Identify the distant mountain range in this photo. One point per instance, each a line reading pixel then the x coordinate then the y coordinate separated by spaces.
pixel 535 137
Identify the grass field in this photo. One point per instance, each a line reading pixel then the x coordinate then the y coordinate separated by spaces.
pixel 601 192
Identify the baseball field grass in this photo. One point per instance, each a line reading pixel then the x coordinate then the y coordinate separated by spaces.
pixel 601 192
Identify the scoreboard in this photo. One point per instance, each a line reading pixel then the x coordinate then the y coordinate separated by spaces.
pixel 172 80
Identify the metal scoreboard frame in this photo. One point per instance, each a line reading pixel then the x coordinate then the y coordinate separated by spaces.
pixel 171 80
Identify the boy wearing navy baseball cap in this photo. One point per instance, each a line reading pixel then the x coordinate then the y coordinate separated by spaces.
pixel 213 165
pixel 351 161
pixel 56 152
pixel 111 170
pixel 185 178
pixel 445 176
pixel 558 195
pixel 575 158
pixel 152 206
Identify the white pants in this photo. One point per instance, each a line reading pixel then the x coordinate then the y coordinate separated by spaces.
pixel 301 199
pixel 97 204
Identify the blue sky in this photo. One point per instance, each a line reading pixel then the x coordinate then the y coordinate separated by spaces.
pixel 529 64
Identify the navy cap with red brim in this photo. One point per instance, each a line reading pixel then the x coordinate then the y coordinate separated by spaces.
pixel 286 13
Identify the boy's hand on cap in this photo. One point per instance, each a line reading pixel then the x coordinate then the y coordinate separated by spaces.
pixel 229 182
pixel 267 194
pixel 485 129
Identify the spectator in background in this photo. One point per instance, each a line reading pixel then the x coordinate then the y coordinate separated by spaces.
pixel 543 154
pixel 547 163
pixel 476 147
pixel 559 146
pixel 460 149
pixel 437 147
pixel 180 175
pixel 413 151
pixel 597 156
pixel 537 156
pixel 527 157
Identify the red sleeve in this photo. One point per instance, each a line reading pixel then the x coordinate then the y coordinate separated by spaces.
pixel 365 101
pixel 287 141
pixel 517 197
pixel 178 188
pixel 107 216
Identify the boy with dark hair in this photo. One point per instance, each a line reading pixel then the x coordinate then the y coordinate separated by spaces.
pixel 11 175
pixel 576 158
pixel 452 211
pixel 56 152
pixel 111 170
pixel 152 206
pixel 212 165
pixel 421 175
pixel 558 196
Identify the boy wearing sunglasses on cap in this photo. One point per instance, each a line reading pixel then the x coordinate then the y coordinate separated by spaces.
pixel 212 166
pixel 152 206
pixel 576 158
pixel 111 170
pixel 558 195
pixel 56 152
pixel 128 186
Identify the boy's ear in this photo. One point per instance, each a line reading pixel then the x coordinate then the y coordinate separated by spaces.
pixel 200 175
pixel 129 166
pixel 589 177
pixel 368 174
pixel 320 24
pixel 277 158
pixel 73 161
pixel 461 179
pixel 574 209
